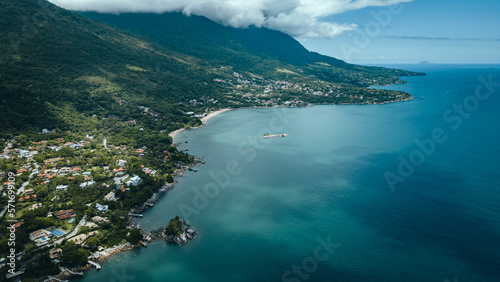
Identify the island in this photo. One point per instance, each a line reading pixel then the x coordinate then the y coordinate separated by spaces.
pixel 178 231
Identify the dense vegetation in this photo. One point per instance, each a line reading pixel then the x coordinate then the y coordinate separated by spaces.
pixel 258 50
pixel 60 69
pixel 174 227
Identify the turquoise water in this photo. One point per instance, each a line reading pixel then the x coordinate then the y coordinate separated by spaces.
pixel 318 206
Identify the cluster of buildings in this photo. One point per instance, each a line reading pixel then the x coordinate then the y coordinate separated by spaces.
pixel 68 168
pixel 268 92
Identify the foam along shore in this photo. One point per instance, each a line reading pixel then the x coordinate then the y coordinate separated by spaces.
pixel 203 121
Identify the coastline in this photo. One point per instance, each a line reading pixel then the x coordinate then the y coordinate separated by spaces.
pixel 204 120
pixel 109 252
pixel 213 114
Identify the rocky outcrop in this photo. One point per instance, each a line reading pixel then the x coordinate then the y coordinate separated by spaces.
pixel 179 232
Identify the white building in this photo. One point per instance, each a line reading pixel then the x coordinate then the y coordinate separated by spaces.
pixel 101 208
pixel 25 154
pixel 87 184
pixel 62 187
pixel 134 181
pixel 41 237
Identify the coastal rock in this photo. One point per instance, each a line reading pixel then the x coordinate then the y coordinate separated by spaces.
pixel 178 232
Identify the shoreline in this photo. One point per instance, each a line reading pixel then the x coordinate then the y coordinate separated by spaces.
pixel 213 114
pixel 112 251
pixel 204 120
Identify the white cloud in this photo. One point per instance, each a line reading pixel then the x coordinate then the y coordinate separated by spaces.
pixel 299 18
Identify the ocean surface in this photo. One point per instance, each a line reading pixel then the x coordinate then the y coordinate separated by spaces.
pixel 406 191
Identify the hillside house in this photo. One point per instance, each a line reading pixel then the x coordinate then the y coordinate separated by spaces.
pixel 134 181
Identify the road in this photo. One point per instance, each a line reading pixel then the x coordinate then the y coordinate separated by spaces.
pixel 119 180
pixel 75 231
pixel 34 172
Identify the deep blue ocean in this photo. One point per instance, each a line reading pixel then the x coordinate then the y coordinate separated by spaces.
pixel 407 191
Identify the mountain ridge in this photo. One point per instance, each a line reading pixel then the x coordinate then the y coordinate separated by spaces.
pixel 59 68
pixel 199 36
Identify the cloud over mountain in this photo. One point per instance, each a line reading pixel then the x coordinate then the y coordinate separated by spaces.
pixel 298 18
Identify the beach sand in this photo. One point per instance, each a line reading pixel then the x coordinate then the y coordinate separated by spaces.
pixel 175 132
pixel 213 114
pixel 203 121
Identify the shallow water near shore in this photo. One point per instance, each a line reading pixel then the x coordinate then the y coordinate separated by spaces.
pixel 316 205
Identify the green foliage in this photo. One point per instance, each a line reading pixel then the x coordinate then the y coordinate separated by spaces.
pixel 93 242
pixel 174 227
pixel 72 255
pixel 135 236
pixel 64 69
pixel 74 67
pixel 42 266
pixel 170 178
pixel 257 50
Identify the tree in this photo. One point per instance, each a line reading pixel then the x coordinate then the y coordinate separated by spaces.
pixel 135 236
pixel 4 247
pixel 72 255
pixel 174 227
pixel 93 242
pixel 42 266
pixel 66 152
pixel 170 178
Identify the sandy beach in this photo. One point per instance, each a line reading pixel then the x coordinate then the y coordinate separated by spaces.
pixel 213 114
pixel 175 132
pixel 203 121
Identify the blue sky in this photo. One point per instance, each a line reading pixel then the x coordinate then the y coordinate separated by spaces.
pixel 423 30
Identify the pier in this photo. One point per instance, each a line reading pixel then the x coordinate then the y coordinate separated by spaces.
pixel 95 264
pixel 274 135
pixel 71 272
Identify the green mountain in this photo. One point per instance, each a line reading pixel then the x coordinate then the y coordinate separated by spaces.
pixel 57 67
pixel 61 70
pixel 252 49
pixel 201 37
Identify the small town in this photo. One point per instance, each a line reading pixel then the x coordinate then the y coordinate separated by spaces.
pixel 249 90
pixel 75 195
